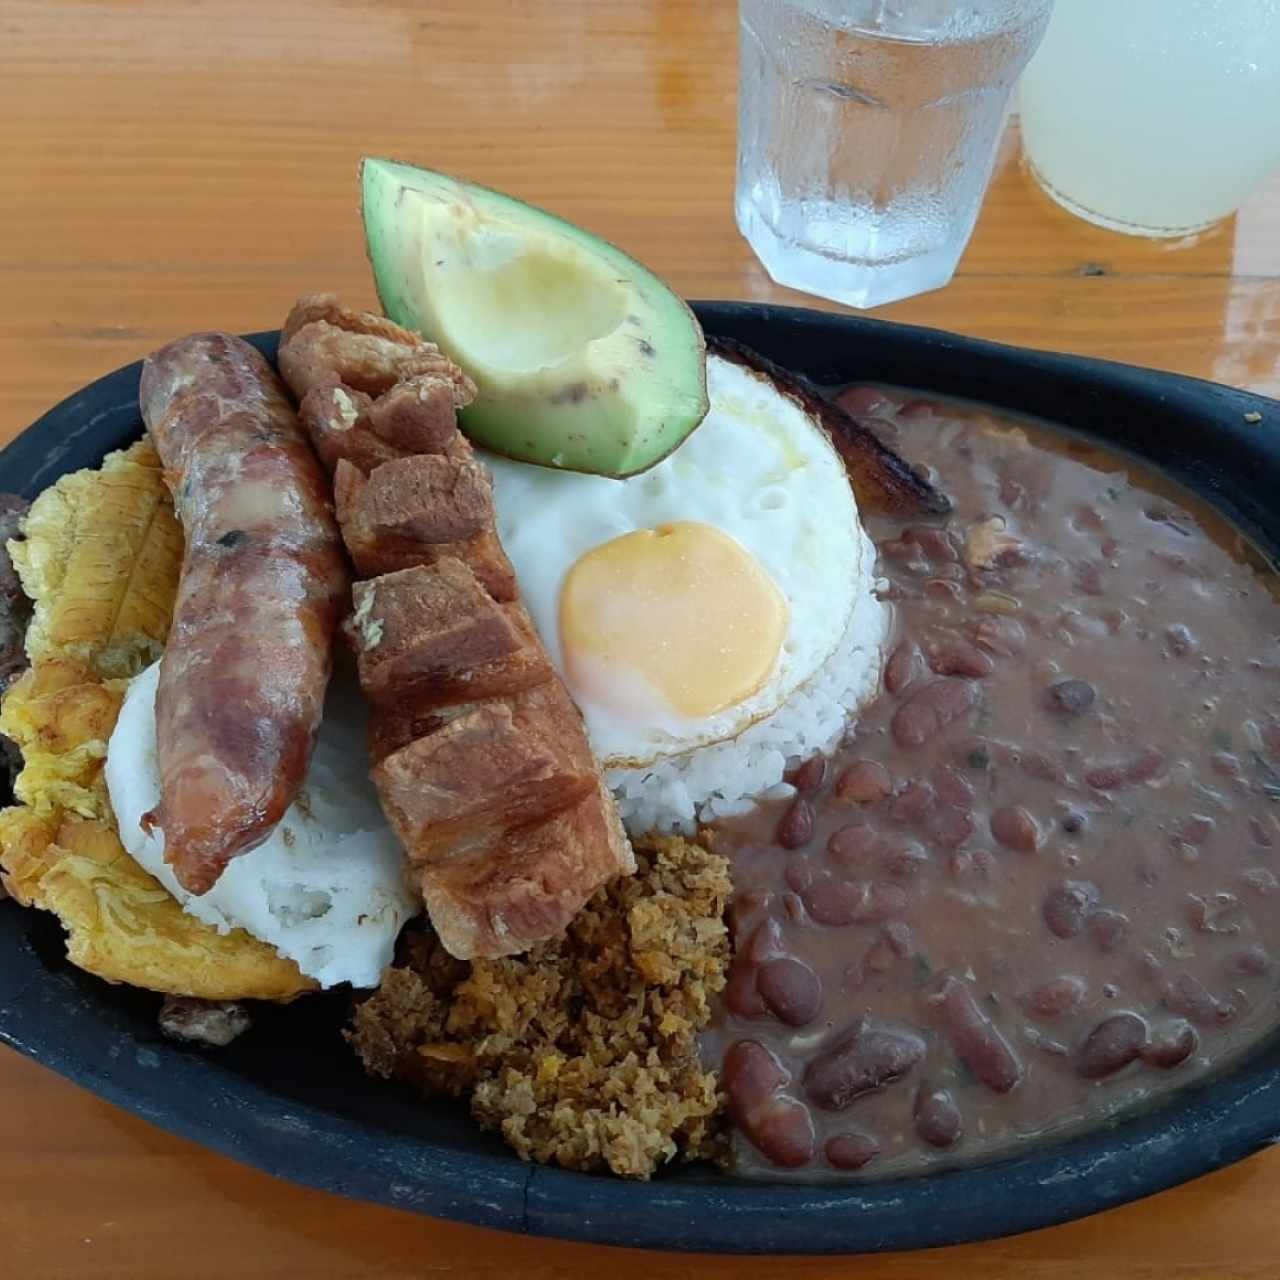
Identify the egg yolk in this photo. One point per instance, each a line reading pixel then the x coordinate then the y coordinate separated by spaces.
pixel 683 612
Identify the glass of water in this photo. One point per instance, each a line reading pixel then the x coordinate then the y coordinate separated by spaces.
pixel 866 134
pixel 1154 117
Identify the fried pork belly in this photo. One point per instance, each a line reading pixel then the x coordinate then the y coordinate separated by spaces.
pixel 100 561
pixel 583 1053
pixel 480 757
pixel 417 510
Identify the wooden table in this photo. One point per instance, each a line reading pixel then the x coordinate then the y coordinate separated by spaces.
pixel 192 165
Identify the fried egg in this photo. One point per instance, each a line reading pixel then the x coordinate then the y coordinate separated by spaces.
pixel 327 888
pixel 685 604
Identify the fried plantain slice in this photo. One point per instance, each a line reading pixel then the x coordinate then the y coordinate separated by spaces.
pixel 100 559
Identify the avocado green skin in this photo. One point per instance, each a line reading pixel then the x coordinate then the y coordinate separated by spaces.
pixel 619 410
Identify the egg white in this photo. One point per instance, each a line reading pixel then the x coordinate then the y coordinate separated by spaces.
pixel 760 469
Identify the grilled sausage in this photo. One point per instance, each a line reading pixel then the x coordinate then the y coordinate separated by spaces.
pixel 264 583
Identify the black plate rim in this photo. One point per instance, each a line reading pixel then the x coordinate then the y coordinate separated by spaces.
pixel 51 1014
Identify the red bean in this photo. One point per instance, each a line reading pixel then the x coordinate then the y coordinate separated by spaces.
pixel 750 1075
pixel 950 655
pixel 851 1150
pixel 810 775
pixel 951 786
pixel 937 1118
pixel 931 709
pixel 949 826
pixel 1000 635
pixel 1071 697
pixel 853 846
pixel 791 990
pixel 1122 773
pixel 1113 1044
pixel 1189 997
pixel 899 937
pixel 1250 962
pixel 740 993
pixel 912 802
pixel 795 828
pixel 863 782
pixel 906 553
pixel 902 668
pixel 1171 1045
pixel 1068 906
pixel 1057 996
pixel 935 543
pixel 765 942
pixel 838 902
pixel 783 1133
pixel 904 861
pixel 780 1127
pixel 976 1040
pixel 1108 929
pixel 950 823
pixel 1013 827
pixel 864 1060
pixel 801 873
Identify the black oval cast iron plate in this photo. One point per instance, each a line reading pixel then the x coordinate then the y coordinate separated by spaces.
pixel 290 1098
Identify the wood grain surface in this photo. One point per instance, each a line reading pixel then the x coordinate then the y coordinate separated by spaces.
pixel 177 166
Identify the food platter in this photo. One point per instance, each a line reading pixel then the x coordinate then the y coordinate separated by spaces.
pixel 290 1099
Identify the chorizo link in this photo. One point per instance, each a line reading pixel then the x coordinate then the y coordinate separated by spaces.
pixel 264 582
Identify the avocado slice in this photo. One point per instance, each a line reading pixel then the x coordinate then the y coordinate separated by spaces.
pixel 582 358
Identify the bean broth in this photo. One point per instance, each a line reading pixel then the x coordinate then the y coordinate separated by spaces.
pixel 1037 885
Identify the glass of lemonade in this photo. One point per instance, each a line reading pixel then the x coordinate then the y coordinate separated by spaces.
pixel 1154 117
pixel 866 134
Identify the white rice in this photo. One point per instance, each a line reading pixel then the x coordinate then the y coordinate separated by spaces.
pixel 727 778
pixel 327 889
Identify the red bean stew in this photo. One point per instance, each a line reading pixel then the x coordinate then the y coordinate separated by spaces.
pixel 1038 883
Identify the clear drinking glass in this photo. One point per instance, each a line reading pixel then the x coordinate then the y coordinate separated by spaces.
pixel 1155 117
pixel 866 134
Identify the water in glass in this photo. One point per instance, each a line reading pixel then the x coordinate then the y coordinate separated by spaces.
pixel 866 134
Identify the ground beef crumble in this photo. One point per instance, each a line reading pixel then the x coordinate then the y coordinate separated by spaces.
pixel 583 1052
